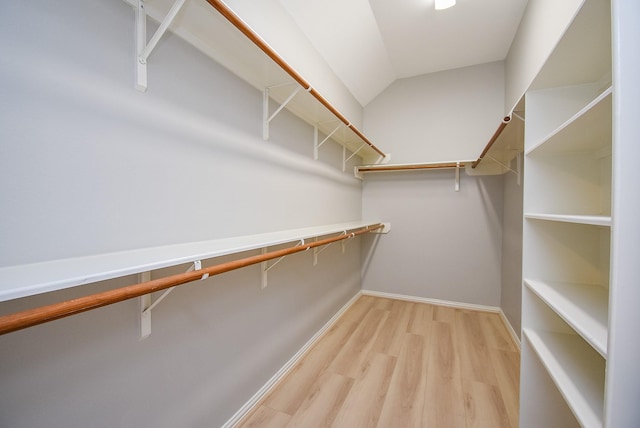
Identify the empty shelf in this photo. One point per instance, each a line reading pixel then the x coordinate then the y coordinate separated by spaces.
pixel 584 307
pixel 36 278
pixel 595 220
pixel 576 370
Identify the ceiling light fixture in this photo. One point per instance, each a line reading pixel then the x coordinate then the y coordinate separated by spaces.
pixel 444 4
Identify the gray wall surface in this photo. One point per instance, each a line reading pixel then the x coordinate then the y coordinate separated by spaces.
pixel 438 117
pixel 443 244
pixel 89 165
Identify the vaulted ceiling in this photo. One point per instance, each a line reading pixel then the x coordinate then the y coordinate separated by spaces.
pixel 371 43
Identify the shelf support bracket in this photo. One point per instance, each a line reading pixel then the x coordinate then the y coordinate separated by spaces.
pixel 144 49
pixel 457 184
pixel 317 251
pixel 518 116
pixel 316 145
pixel 346 159
pixel 266 268
pixel 508 167
pixel 344 242
pixel 266 119
pixel 146 306
pixel 502 164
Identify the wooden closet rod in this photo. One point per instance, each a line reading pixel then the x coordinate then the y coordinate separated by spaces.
pixel 493 139
pixel 43 314
pixel 251 35
pixel 442 165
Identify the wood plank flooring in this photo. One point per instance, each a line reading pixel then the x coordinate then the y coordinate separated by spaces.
pixel 391 363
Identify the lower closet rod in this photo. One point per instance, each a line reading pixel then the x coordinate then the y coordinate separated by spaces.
pixel 43 314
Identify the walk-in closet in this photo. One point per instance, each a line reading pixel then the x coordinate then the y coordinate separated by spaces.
pixel 226 213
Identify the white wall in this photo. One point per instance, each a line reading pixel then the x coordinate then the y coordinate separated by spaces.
pixel 511 292
pixel 89 165
pixel 543 24
pixel 445 116
pixel 443 244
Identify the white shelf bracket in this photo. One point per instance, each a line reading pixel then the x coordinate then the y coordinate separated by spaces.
pixel 317 251
pixel 266 268
pixel 457 184
pixel 316 145
pixel 346 241
pixel 357 173
pixel 383 159
pixel 508 167
pixel 146 306
pixel 266 118
pixel 346 159
pixel 144 49
pixel 145 302
pixel 518 116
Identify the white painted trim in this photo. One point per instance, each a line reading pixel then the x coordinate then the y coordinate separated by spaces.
pixel 512 332
pixel 280 374
pixel 432 301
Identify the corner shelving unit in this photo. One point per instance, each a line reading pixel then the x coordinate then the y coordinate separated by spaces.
pixel 567 226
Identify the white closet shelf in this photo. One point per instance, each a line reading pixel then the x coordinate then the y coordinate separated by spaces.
pixel 577 371
pixel 244 53
pixel 36 278
pixel 594 220
pixel 583 306
pixel 583 55
pixel 587 130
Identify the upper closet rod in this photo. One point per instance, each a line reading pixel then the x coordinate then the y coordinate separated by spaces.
pixel 409 167
pixel 35 316
pixel 493 139
pixel 251 35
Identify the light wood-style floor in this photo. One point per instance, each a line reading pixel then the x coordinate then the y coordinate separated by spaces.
pixel 391 363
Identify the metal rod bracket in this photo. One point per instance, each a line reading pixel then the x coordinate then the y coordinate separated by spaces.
pixel 146 305
pixel 266 118
pixel 316 144
pixel 144 49
pixel 346 159
pixel 504 165
pixel 266 268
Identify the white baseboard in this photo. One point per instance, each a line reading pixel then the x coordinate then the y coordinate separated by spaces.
pixel 431 301
pixel 449 303
pixel 512 332
pixel 280 374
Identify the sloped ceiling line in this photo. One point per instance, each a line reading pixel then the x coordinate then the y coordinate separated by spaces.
pixel 371 43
